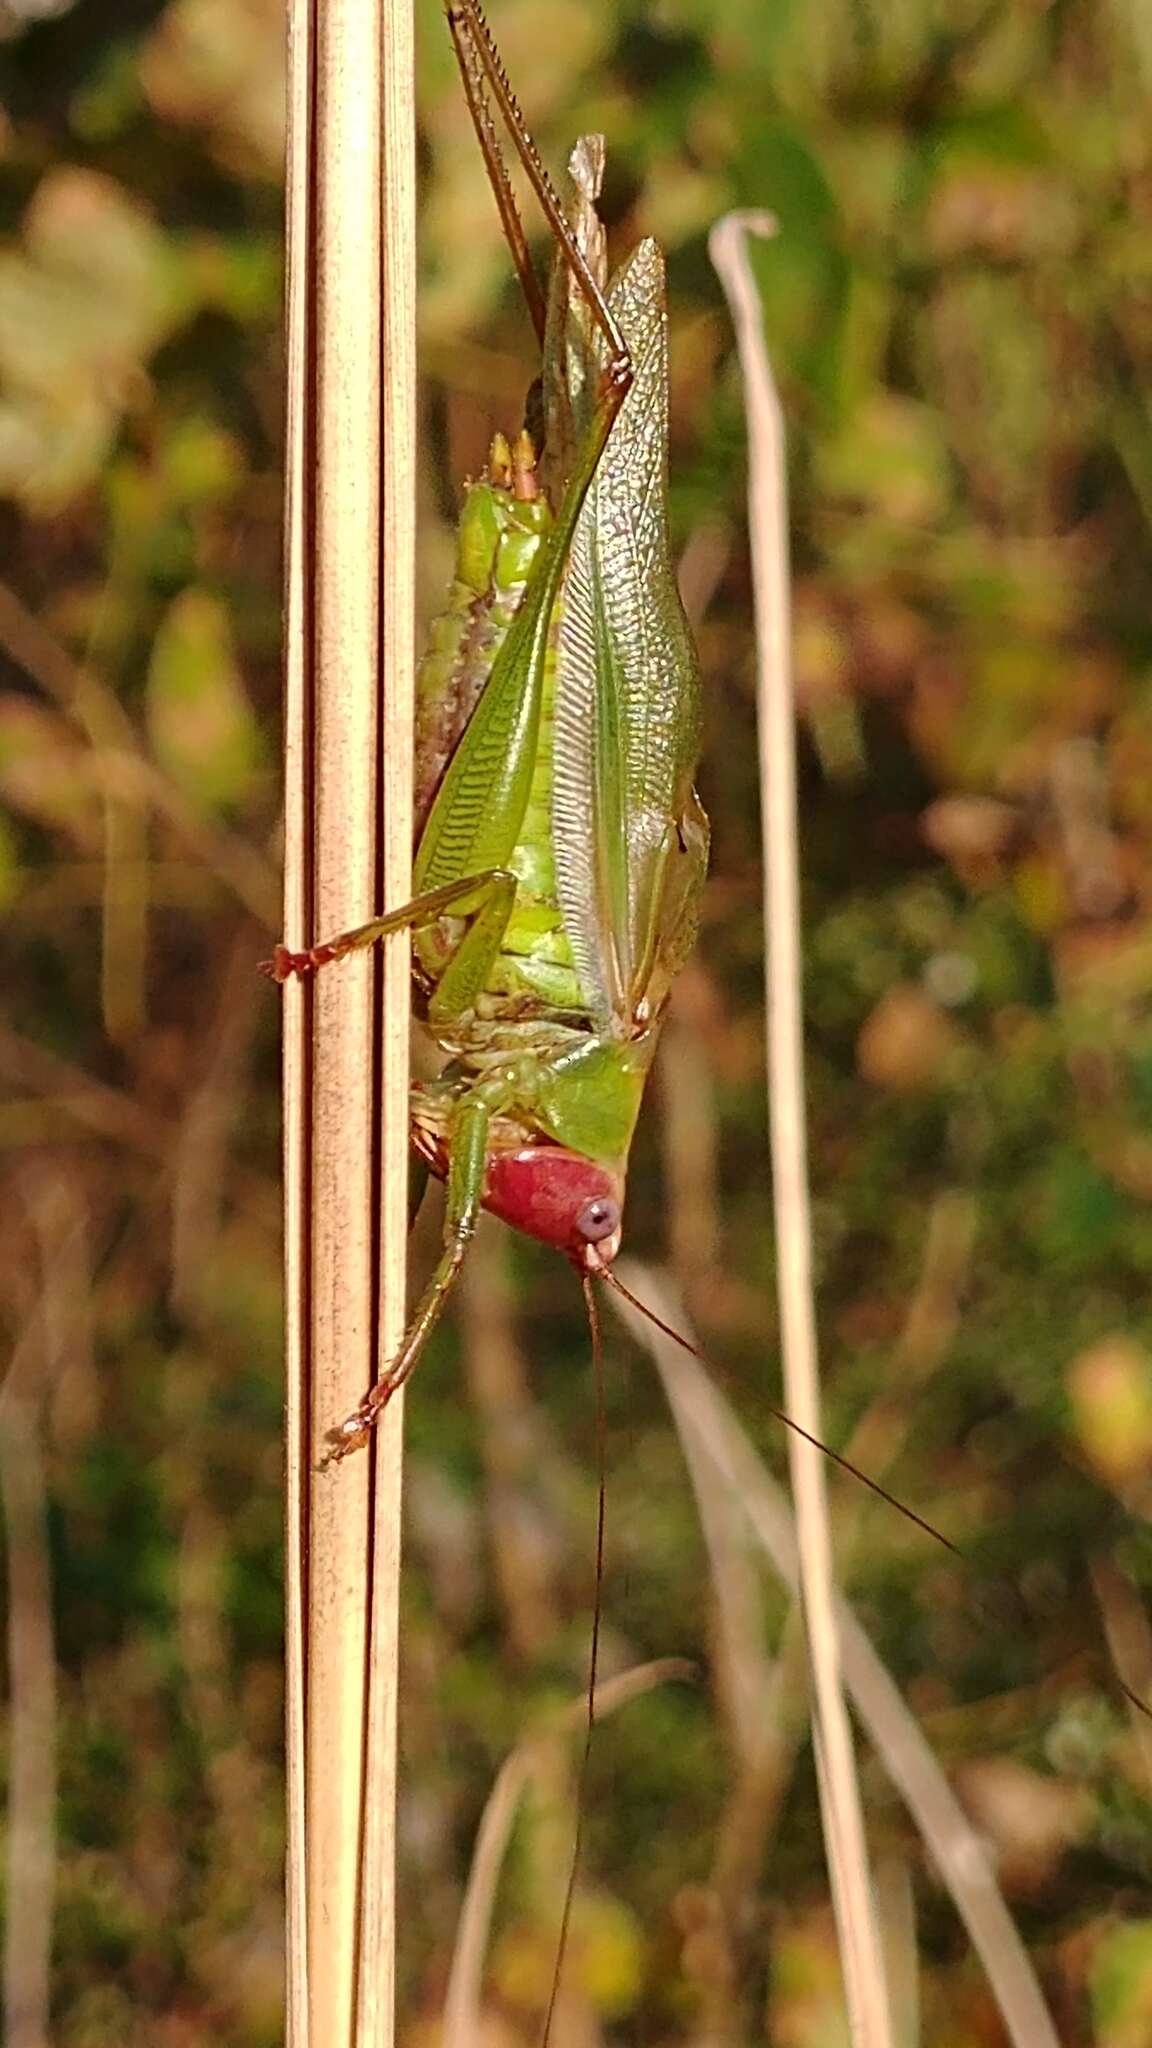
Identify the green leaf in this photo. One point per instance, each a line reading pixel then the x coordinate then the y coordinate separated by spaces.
pixel 1121 1985
pixel 202 725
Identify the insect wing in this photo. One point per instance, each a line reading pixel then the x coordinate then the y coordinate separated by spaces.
pixel 631 838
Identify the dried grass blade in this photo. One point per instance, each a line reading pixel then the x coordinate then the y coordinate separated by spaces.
pixel 351 433
pixel 852 1893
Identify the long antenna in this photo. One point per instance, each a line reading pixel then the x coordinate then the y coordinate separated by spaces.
pixel 594 1331
pixel 789 1421
pixel 472 77
pixel 910 1515
pixel 480 60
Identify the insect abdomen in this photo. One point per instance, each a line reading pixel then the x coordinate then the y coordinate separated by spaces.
pixel 503 524
pixel 498 540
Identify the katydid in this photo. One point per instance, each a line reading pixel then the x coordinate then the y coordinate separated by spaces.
pixel 561 845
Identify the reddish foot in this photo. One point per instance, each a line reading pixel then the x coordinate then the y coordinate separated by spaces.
pixel 353 1433
pixel 350 1435
pixel 283 965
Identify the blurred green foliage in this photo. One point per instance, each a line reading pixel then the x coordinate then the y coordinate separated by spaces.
pixel 958 304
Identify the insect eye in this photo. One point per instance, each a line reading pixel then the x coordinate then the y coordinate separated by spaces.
pixel 598 1219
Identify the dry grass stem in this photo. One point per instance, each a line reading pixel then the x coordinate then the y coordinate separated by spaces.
pixel 861 1953
pixel 763 1704
pixel 349 625
pixel 398 439
pixel 297 203
pixel 706 1421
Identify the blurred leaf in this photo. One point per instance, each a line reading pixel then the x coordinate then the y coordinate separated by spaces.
pixel 806 2003
pixel 81 307
pixel 1071 1210
pixel 1110 1390
pixel 609 1953
pixel 781 171
pixel 241 275
pixel 1030 1817
pixel 219 65
pixel 806 292
pixel 908 1042
pixel 888 460
pixel 1121 1985
pixel 9 862
pixel 737 30
pixel 200 462
pixel 1014 391
pixel 111 96
pixel 46 773
pixel 201 722
pixel 84 229
pixel 605 1957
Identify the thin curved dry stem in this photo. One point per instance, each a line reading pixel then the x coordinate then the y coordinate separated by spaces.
pixel 766 1740
pixel 840 1805
pixel 764 1704
pixel 462 2006
pixel 704 1418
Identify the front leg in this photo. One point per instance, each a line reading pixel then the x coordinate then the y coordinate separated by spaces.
pixel 487 897
pixel 468 1128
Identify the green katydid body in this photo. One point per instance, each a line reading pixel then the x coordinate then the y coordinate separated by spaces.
pixel 561 846
pixel 504 525
pixel 596 816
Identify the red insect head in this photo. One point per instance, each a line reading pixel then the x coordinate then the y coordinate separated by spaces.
pixel 559 1197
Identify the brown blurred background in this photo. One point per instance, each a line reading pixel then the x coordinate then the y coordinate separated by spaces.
pixel 960 308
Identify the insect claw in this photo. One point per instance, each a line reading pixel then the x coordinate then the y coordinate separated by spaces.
pixel 350 1435
pixel 353 1433
pixel 284 964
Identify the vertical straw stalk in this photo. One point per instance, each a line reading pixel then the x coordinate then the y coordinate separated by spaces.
pixel 297 173
pixel 852 1895
pixel 349 555
pixel 376 1987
